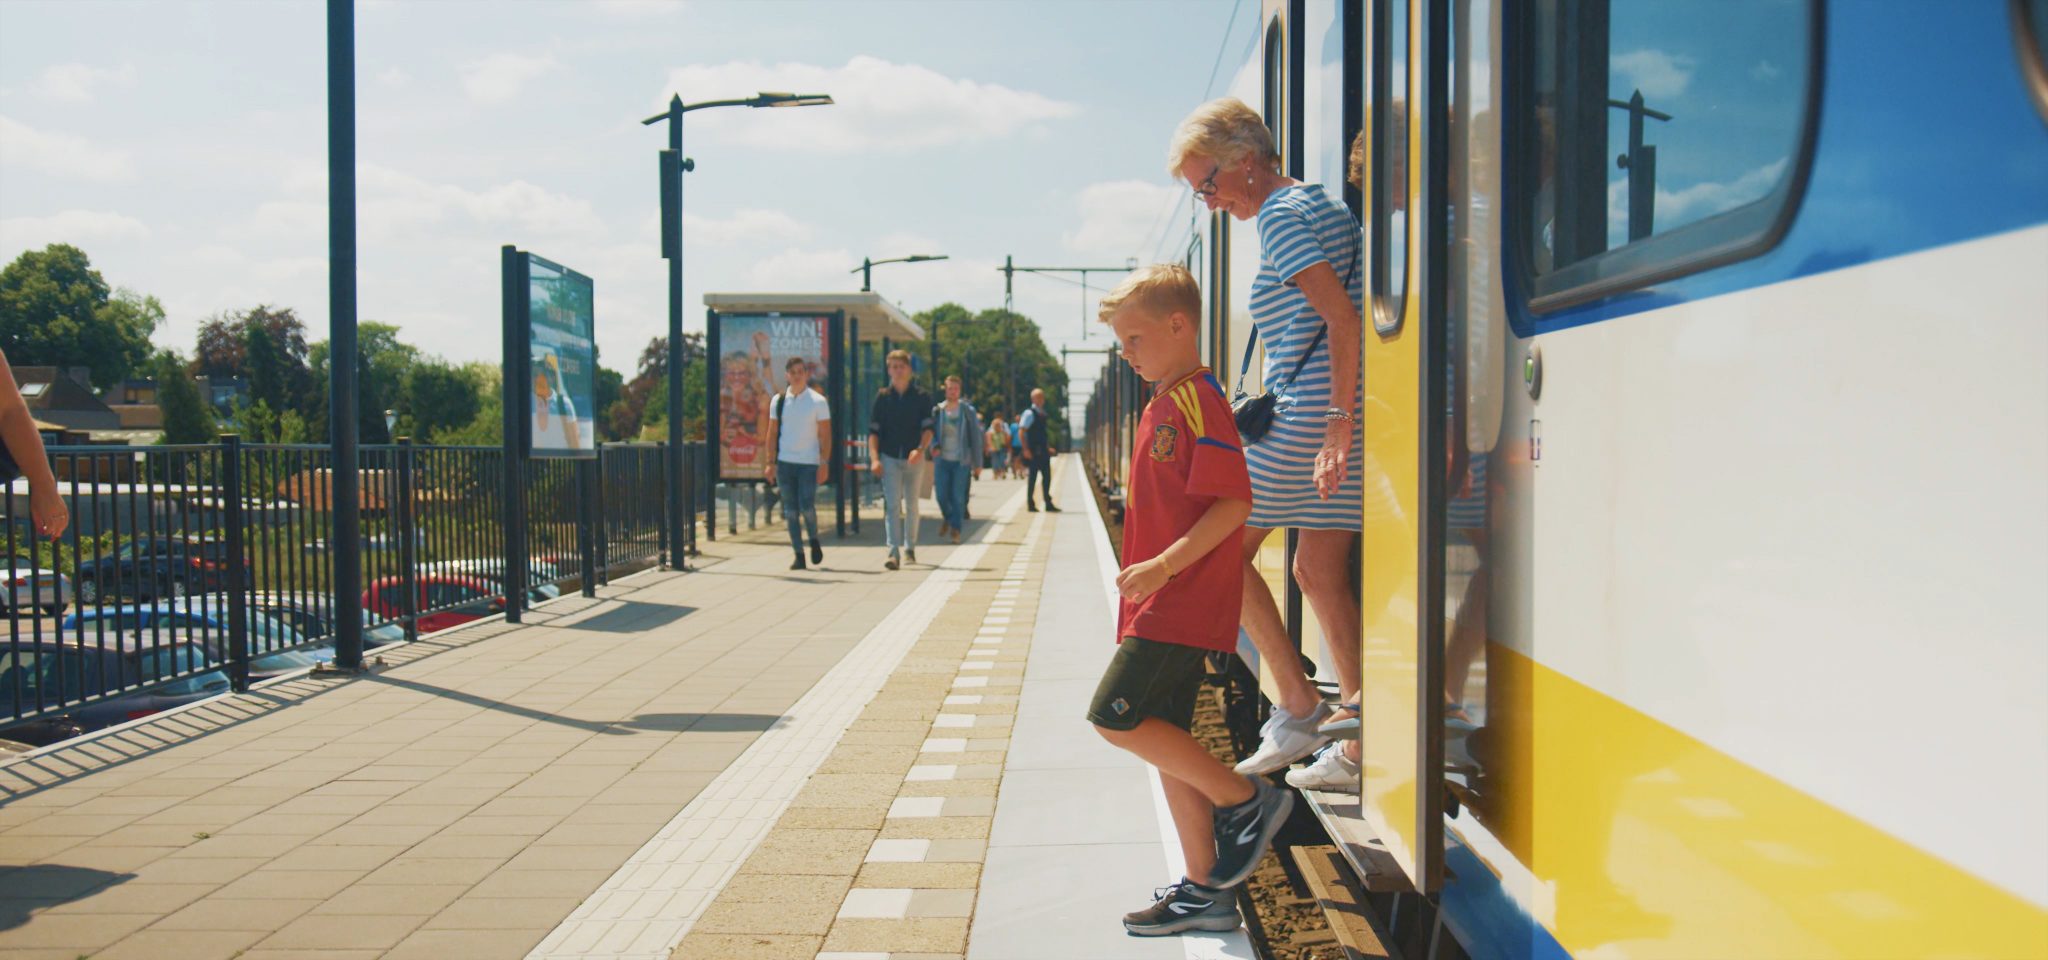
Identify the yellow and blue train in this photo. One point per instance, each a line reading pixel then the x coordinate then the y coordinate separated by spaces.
pixel 1705 563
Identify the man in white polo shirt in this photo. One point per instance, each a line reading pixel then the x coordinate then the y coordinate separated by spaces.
pixel 800 433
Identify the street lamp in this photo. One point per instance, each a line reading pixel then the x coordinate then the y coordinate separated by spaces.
pixel 867 266
pixel 390 422
pixel 673 164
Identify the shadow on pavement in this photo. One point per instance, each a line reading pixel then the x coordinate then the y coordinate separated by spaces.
pixel 632 616
pixel 39 886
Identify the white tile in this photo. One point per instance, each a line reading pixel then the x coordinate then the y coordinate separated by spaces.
pixel 970 681
pixel 916 806
pixel 932 771
pixel 977 665
pixel 876 903
pixel 962 699
pixel 852 955
pixel 953 720
pixel 995 620
pixel 944 745
pixel 988 640
pixel 899 851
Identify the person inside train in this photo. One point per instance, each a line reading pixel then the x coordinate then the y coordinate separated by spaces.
pixel 1188 498
pixel 1305 309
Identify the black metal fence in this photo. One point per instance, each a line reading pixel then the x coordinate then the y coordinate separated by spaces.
pixel 191 570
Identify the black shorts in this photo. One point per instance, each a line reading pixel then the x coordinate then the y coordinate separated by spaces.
pixel 1148 678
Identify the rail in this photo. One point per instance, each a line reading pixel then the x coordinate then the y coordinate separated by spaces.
pixel 191 570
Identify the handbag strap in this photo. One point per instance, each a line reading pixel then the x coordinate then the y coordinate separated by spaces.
pixel 1244 367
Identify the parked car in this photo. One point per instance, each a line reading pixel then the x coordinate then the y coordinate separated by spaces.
pixel 312 616
pixel 452 599
pixel 153 567
pixel 204 622
pixel 46 668
pixel 538 575
pixel 23 587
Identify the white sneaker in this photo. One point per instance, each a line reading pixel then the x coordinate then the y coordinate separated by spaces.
pixel 1284 739
pixel 1332 771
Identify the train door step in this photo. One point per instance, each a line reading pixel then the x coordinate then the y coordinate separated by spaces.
pixel 1331 881
pixel 1374 867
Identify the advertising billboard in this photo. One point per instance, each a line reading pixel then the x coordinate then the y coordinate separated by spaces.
pixel 562 362
pixel 753 352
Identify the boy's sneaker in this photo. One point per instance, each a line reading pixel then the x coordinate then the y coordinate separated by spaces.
pixel 817 553
pixel 1332 771
pixel 1244 831
pixel 1284 739
pixel 891 562
pixel 910 556
pixel 1181 906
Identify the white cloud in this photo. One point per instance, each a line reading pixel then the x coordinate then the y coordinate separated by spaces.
pixel 878 105
pixel 393 77
pixel 743 227
pixel 1765 72
pixel 60 155
pixel 77 227
pixel 1676 208
pixel 79 83
pixel 1659 75
pixel 498 78
pixel 1118 219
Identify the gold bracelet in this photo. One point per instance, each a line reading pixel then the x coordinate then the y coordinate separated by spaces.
pixel 1169 567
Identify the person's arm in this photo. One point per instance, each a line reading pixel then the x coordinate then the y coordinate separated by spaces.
pixel 973 428
pixel 875 435
pixel 824 447
pixel 924 435
pixel 1144 578
pixel 18 431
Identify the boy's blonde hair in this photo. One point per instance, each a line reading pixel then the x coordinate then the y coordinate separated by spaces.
pixel 1159 289
pixel 903 355
pixel 1225 131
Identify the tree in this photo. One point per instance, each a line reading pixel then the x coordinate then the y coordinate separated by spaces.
pixel 222 350
pixel 999 357
pixel 55 309
pixel 264 364
pixel 439 397
pixel 381 362
pixel 187 417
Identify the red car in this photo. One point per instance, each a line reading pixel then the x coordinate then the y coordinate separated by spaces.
pixel 446 600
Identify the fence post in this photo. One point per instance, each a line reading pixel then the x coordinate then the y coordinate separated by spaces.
pixel 661 476
pixel 586 538
pixel 603 514
pixel 238 561
pixel 408 531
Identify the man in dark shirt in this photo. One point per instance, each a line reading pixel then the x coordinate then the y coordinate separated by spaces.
pixel 899 430
pixel 1037 452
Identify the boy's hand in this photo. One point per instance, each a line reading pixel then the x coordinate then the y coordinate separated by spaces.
pixel 1141 580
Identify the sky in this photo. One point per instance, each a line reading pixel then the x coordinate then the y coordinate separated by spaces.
pixel 182 145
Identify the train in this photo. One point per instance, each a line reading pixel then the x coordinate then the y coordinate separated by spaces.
pixel 1706 364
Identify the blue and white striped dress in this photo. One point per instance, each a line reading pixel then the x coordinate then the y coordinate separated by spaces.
pixel 1300 226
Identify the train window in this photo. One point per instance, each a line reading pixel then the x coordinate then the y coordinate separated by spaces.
pixel 1657 138
pixel 1390 175
pixel 2030 29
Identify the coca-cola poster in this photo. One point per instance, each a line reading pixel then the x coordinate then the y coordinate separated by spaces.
pixel 754 352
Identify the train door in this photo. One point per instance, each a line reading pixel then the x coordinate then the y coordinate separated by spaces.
pixel 1406 456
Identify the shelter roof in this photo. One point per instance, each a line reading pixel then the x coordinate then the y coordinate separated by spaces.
pixel 878 317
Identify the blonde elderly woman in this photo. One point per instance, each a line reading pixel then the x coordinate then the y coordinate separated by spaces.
pixel 1305 307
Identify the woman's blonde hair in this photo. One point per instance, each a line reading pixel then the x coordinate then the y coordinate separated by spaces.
pixel 1225 131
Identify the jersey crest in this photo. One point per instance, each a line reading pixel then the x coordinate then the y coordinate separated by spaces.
pixel 1165 442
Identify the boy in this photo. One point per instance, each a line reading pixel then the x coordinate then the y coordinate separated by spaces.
pixel 899 430
pixel 1181 586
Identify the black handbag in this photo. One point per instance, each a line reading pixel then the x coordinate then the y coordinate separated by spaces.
pixel 1254 415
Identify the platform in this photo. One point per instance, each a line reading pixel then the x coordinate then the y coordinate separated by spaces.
pixel 738 762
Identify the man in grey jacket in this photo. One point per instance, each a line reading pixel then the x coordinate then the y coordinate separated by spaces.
pixel 956 450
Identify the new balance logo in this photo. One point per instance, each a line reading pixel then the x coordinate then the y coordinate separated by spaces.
pixel 1250 831
pixel 1184 907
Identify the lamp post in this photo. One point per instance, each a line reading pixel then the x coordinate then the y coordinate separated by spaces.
pixel 673 165
pixel 867 266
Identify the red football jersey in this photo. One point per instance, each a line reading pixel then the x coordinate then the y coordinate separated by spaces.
pixel 1185 457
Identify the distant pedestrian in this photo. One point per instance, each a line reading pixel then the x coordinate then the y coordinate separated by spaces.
pixel 1037 447
pixel 1180 594
pixel 996 446
pixel 956 452
pixel 800 433
pixel 21 452
pixel 899 430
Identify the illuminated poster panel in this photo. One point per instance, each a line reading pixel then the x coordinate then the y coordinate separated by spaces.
pixel 754 350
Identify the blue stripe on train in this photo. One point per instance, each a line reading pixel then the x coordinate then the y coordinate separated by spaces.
pixel 1922 143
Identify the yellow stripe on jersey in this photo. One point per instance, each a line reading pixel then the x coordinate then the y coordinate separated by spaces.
pixel 1190 406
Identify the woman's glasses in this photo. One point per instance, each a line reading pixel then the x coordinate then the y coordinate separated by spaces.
pixel 1207 188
